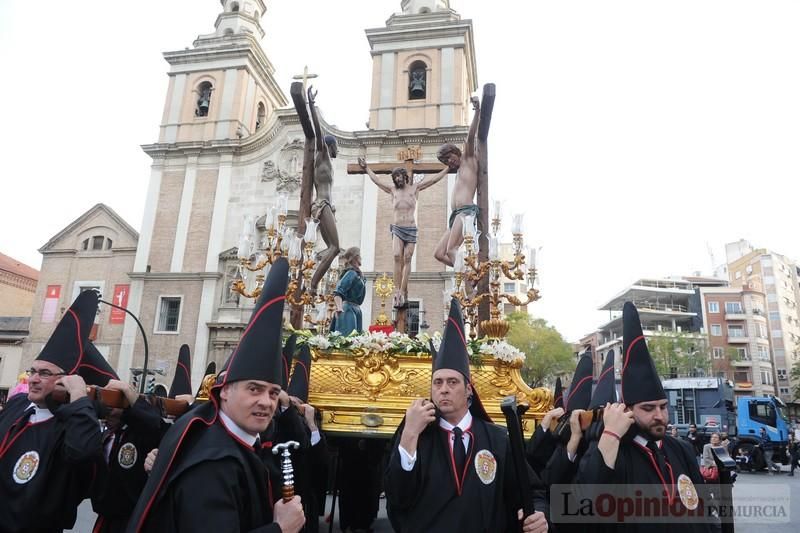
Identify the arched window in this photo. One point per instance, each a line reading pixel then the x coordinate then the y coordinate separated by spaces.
pixel 417 81
pixel 235 7
pixel 203 99
pixel 261 115
pixel 228 31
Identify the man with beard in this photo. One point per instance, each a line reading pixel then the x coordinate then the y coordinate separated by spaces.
pixel 634 450
pixel 47 450
pixel 208 476
pixel 404 228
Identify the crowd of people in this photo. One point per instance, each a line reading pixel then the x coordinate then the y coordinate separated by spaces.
pixel 447 468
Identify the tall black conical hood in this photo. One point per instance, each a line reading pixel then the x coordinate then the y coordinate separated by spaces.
pixel 66 345
pixel 454 355
pixel 288 354
pixel 182 381
pixel 640 381
pixel 558 395
pixel 93 368
pixel 580 390
pixel 298 385
pixel 606 389
pixel 258 355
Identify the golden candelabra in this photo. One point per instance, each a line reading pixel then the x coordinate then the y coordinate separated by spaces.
pixel 384 286
pixel 327 297
pixel 255 254
pixel 470 270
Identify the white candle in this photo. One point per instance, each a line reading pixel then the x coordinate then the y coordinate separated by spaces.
pixel 494 248
pixel 469 226
pixel 311 230
pixel 244 247
pixel 458 263
pixel 516 224
pixel 269 218
pixel 497 209
pixel 282 204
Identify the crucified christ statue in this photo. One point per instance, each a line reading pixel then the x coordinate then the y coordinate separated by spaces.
pixel 464 190
pixel 322 208
pixel 404 228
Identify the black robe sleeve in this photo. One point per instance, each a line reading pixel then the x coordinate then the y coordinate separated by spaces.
pixel 83 440
pixel 559 469
pixel 211 499
pixel 540 448
pixel 143 417
pixel 402 487
pixel 593 469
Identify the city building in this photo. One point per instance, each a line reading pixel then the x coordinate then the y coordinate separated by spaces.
pixel 95 251
pixel 17 292
pixel 667 307
pixel 736 324
pixel 777 276
pixel 230 141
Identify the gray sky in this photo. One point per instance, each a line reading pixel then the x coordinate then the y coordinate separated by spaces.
pixel 630 132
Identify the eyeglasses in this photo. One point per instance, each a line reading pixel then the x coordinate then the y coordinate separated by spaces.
pixel 44 373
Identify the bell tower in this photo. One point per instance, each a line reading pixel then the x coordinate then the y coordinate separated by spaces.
pixel 224 86
pixel 423 68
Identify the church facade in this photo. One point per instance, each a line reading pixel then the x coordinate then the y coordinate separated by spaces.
pixel 230 142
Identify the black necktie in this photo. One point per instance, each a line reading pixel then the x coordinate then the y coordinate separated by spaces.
pixel 658 454
pixel 459 454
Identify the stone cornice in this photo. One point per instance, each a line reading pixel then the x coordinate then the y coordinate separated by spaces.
pixel 174 276
pixel 245 47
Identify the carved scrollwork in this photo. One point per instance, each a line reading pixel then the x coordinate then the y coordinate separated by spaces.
pixel 374 374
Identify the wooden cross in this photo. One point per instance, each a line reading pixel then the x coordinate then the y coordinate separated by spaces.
pixel 305 76
pixel 407 158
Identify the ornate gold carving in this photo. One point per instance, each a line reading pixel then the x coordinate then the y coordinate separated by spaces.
pixel 205 388
pixel 374 374
pixel 354 392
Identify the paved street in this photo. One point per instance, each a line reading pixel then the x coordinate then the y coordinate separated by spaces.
pixel 747 485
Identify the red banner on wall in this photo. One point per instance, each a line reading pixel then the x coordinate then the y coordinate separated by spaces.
pixel 121 299
pixel 50 307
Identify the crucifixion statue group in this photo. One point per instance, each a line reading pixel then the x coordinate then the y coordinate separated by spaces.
pixel 469 164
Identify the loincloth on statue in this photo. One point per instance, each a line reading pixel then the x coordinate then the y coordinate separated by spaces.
pixel 469 209
pixel 318 205
pixel 407 234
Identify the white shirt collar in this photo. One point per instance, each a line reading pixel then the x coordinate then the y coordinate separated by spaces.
pixel 464 424
pixel 643 441
pixel 39 415
pixel 236 430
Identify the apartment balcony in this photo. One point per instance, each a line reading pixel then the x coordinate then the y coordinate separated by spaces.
pixel 758 317
pixel 735 316
pixel 743 385
pixel 742 363
pixel 738 340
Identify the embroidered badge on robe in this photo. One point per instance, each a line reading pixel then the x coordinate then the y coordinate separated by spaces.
pixel 127 455
pixel 26 467
pixel 687 492
pixel 485 466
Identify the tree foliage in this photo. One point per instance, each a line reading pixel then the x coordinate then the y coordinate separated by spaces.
pixel 795 378
pixel 680 355
pixel 547 354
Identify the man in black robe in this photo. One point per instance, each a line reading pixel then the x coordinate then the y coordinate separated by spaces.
pixel 634 450
pixel 129 435
pixel 541 445
pixel 208 476
pixel 47 450
pixel 454 472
